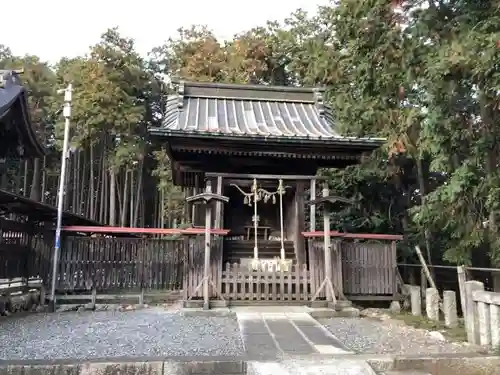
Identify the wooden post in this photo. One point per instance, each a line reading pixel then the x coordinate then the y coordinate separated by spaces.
pixel 219 222
pixel 337 245
pixel 425 268
pixel 394 256
pixel 327 245
pixel 208 221
pixel 312 212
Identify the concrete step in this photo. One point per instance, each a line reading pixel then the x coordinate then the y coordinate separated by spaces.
pixel 310 367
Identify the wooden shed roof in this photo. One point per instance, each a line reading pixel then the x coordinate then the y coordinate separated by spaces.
pixel 17 136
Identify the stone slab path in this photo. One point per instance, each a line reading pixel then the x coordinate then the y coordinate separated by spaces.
pixel 270 335
pixel 290 343
pixel 310 367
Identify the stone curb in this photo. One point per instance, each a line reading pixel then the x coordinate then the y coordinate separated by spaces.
pixel 326 313
pixel 158 367
pixel 439 365
pixel 219 312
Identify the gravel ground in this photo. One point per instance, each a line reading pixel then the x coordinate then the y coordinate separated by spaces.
pixel 364 335
pixel 108 334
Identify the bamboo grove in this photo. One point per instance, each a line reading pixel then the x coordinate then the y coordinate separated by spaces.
pixel 423 74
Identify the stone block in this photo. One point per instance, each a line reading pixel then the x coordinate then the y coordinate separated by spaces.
pixel 192 304
pixel 323 313
pixel 217 304
pixel 471 319
pixel 483 316
pixel 395 307
pixel 342 304
pixel 221 367
pixel 318 304
pixel 450 309
pixel 495 325
pixel 221 312
pixel 416 300
pixel 432 304
pixel 349 312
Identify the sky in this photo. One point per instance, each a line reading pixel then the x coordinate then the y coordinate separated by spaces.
pixel 52 29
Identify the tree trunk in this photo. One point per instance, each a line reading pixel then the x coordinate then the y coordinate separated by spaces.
pixel 490 166
pixel 489 120
pixel 138 193
pixel 124 199
pixel 112 197
pixel 423 191
pixel 101 184
pixel 131 200
pixel 35 182
pixel 91 183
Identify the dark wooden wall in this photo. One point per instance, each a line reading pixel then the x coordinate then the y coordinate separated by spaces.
pixel 237 215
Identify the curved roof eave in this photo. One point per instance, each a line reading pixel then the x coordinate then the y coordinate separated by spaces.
pixel 13 100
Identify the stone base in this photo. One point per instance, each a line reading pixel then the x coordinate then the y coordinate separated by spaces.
pixel 342 304
pixel 338 305
pixel 318 304
pixel 325 313
pixel 217 312
pixel 199 304
pixel 222 366
pixel 441 364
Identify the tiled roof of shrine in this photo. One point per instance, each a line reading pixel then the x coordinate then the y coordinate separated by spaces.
pixel 250 111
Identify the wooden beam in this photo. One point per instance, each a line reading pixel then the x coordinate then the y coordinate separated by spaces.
pixel 361 236
pixel 165 231
pixel 264 176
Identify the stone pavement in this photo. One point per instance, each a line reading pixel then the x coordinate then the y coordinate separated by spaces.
pixel 270 335
pixel 292 342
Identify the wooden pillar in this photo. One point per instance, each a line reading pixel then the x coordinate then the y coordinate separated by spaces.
pixel 299 223
pixel 339 278
pixel 219 207
pixel 312 212
pixel 327 245
pixel 206 273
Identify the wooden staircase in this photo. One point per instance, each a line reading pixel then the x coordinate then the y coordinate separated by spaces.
pixel 234 250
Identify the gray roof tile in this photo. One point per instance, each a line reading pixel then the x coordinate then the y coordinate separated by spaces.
pixel 10 90
pixel 249 110
pixel 13 101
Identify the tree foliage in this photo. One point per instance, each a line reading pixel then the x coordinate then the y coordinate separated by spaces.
pixel 423 74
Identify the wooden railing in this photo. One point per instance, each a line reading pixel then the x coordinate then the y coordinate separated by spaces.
pixel 245 284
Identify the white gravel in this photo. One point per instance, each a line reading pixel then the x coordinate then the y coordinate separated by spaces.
pixel 364 335
pixel 108 334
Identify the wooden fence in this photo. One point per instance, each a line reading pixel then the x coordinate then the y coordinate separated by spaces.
pixel 317 266
pixel 25 251
pixel 106 264
pixel 362 270
pixel 370 269
pixel 242 283
pixel 194 266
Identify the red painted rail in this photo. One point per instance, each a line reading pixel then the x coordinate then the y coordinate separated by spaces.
pixel 361 236
pixel 166 231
